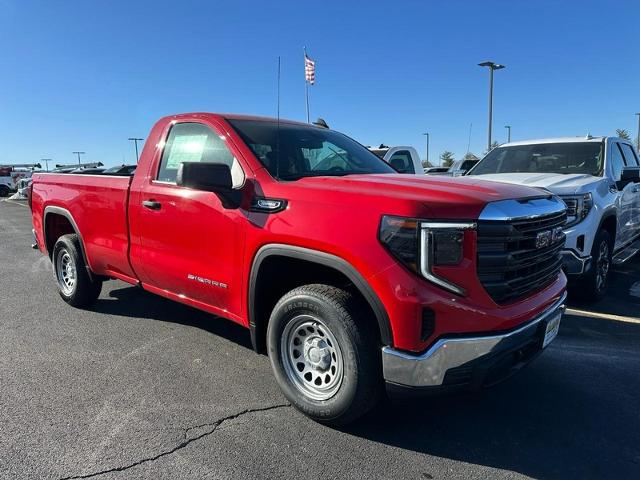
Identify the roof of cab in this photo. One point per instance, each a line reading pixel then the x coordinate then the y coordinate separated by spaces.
pixel 237 116
pixel 538 141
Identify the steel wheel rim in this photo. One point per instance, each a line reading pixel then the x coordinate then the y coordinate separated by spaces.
pixel 602 265
pixel 312 357
pixel 65 272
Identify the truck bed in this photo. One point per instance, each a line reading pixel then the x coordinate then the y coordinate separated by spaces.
pixel 98 204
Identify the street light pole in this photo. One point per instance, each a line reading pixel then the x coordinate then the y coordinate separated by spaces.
pixel 427 137
pixel 492 66
pixel 638 139
pixel 135 141
pixel 508 127
pixel 79 153
pixel 46 161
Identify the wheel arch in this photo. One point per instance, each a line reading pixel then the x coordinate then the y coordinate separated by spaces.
pixel 609 222
pixel 64 224
pixel 314 262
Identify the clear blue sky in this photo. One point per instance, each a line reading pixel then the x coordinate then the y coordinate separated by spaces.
pixel 85 75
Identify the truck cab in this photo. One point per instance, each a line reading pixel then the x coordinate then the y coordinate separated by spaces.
pixel 403 159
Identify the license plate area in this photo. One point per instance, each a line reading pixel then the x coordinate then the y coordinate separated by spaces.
pixel 551 329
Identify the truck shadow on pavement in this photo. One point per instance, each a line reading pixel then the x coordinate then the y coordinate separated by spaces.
pixel 572 413
pixel 137 303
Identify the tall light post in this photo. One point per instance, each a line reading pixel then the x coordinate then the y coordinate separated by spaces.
pixel 492 66
pixel 508 127
pixel 46 162
pixel 79 153
pixel 638 139
pixel 427 137
pixel 135 141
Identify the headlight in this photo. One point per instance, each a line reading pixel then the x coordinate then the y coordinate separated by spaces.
pixel 421 246
pixel 578 207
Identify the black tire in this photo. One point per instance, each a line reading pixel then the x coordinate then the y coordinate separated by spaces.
pixel 83 290
pixel 592 286
pixel 4 191
pixel 339 314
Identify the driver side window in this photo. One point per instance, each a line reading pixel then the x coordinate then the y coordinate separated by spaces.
pixel 195 142
pixel 617 161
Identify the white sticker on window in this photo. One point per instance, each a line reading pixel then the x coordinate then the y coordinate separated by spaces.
pixel 186 148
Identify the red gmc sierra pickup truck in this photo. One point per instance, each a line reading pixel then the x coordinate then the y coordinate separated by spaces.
pixel 349 275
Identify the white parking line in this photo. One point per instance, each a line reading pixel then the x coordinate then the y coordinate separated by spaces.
pixel 602 316
pixel 16 203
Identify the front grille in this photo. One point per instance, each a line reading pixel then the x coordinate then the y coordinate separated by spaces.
pixel 510 265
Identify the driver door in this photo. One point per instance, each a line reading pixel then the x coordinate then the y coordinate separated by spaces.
pixel 626 197
pixel 631 160
pixel 191 246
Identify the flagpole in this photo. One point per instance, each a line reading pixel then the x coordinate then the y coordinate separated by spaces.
pixel 306 85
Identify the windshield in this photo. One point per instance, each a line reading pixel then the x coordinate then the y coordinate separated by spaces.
pixel 299 151
pixel 565 158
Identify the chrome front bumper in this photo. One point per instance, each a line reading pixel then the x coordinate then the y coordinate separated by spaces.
pixel 430 368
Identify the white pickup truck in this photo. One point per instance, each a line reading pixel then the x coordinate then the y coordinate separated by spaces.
pixel 403 159
pixel 599 180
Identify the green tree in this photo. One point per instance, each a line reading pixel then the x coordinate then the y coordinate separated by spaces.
pixel 494 144
pixel 470 156
pixel 622 133
pixel 426 164
pixel 446 158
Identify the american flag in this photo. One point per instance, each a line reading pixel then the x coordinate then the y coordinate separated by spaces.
pixel 309 70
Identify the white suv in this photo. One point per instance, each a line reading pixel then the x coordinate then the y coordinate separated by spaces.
pixel 599 180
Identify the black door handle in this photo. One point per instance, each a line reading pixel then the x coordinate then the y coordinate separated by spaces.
pixel 151 204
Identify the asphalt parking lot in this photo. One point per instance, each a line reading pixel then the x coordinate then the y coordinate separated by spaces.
pixel 140 387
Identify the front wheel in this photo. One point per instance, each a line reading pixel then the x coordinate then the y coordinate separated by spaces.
pixel 326 362
pixel 593 284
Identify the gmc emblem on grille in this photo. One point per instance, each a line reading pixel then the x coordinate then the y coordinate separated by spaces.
pixel 549 237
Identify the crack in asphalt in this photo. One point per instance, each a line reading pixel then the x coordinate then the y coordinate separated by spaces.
pixel 213 426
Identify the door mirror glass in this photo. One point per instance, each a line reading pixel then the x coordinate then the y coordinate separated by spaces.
pixel 210 177
pixel 628 175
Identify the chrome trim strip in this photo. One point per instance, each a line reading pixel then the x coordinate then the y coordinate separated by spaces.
pixel 426 258
pixel 509 210
pixel 449 225
pixel 426 252
pixel 430 368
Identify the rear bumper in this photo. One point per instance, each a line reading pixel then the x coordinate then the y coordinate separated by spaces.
pixel 573 264
pixel 469 361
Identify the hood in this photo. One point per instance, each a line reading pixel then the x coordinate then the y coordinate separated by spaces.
pixel 558 183
pixel 439 197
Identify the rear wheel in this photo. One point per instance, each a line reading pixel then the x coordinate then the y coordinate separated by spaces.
pixel 592 285
pixel 4 191
pixel 325 361
pixel 75 285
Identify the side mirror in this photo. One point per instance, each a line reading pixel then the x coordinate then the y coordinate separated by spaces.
pixel 628 175
pixel 210 177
